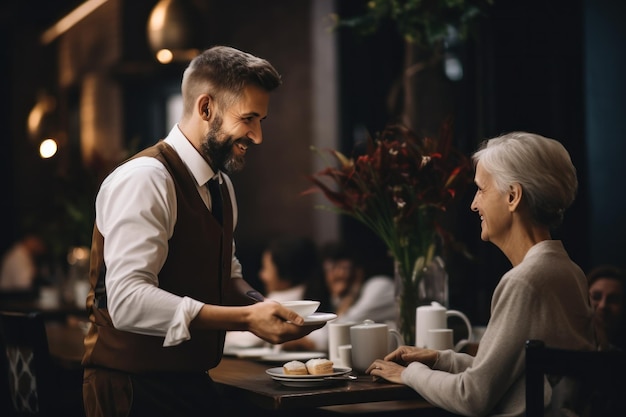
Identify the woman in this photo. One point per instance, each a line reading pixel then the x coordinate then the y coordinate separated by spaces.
pixel 606 292
pixel 525 182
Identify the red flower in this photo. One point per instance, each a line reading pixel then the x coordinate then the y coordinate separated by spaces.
pixel 398 188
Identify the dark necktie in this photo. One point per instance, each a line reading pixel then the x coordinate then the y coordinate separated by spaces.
pixel 216 198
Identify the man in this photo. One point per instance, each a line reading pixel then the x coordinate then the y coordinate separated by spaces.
pixel 166 284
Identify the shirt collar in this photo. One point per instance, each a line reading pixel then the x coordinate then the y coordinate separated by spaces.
pixel 196 164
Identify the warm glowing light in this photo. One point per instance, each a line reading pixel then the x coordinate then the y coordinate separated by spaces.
pixel 48 148
pixel 164 56
pixel 34 118
pixel 77 254
pixel 157 17
pixel 45 104
pixel 70 20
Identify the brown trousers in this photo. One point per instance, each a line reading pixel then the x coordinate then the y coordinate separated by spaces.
pixel 110 393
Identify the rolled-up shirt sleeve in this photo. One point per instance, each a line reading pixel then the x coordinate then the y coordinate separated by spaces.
pixel 178 332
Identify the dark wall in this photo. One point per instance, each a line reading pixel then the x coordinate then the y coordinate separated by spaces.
pixel 605 96
pixel 25 66
pixel 7 189
pixel 530 77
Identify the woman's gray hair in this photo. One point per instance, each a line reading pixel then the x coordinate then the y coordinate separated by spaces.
pixel 223 72
pixel 541 166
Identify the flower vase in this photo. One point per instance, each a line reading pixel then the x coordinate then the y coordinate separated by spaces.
pixel 430 284
pixel 434 283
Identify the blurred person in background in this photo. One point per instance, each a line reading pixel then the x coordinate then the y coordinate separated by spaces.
pixel 353 294
pixel 606 293
pixel 289 265
pixel 22 265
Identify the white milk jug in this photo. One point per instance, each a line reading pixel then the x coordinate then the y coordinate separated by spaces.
pixel 435 316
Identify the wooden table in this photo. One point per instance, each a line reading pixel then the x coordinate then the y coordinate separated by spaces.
pixel 247 387
pixel 248 383
pixel 54 312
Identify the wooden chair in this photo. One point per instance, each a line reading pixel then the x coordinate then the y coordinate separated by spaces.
pixel 35 387
pixel 590 383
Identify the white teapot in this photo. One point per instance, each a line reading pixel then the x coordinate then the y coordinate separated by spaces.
pixel 371 341
pixel 435 316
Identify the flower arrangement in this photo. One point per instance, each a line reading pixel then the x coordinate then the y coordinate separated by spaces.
pixel 399 188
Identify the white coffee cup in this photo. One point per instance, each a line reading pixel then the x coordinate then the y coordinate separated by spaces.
pixel 371 341
pixel 338 334
pixel 440 339
pixel 345 356
pixel 435 316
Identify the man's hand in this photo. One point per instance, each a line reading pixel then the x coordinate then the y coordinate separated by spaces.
pixel 276 324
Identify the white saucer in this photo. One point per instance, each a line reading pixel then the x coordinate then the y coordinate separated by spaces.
pixel 278 373
pixel 306 381
pixel 318 318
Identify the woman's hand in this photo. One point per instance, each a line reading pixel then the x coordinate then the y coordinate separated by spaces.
pixel 390 371
pixel 394 363
pixel 404 355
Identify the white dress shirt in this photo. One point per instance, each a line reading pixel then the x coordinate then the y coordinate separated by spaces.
pixel 136 213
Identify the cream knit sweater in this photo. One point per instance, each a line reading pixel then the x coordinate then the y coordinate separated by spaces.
pixel 544 297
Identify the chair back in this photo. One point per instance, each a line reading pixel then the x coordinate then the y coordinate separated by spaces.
pixel 589 383
pixel 25 359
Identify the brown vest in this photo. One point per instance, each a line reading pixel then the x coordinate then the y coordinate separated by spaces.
pixel 197 265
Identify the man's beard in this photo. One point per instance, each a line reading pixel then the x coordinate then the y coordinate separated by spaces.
pixel 220 153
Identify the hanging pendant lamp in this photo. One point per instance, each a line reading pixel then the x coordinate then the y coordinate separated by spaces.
pixel 173 28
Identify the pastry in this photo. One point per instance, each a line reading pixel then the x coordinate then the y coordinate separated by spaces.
pixel 294 368
pixel 319 366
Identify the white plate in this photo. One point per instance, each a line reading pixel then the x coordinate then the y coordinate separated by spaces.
pixel 278 373
pixel 318 318
pixel 291 356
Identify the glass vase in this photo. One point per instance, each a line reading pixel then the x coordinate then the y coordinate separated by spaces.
pixel 429 284
pixel 434 283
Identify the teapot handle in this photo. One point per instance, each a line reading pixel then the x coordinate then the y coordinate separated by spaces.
pixel 461 343
pixel 395 341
